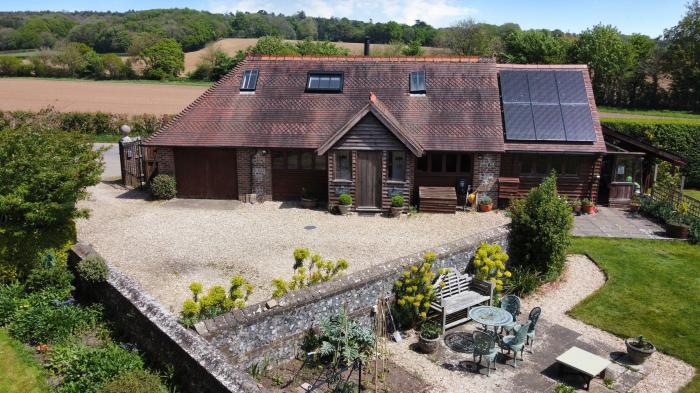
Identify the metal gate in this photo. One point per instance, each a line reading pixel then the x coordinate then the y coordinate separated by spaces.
pixel 133 163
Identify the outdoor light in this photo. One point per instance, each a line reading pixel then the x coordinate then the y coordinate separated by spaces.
pixel 125 129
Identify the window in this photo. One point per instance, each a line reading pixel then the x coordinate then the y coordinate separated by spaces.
pixel 292 159
pixel 465 163
pixel 436 163
pixel 278 160
pixel 450 163
pixel 328 82
pixel 422 164
pixel 542 166
pixel 250 80
pixel 320 163
pixel 417 83
pixel 569 166
pixel 396 165
pixel 445 163
pixel 342 165
pixel 307 160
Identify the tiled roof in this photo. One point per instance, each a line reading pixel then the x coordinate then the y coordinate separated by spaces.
pixel 460 111
pixel 568 147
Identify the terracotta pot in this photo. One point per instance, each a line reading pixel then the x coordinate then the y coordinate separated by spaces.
pixel 677 231
pixel 308 203
pixel 485 207
pixel 396 211
pixel 588 209
pixel 343 209
pixel 427 345
pixel 638 355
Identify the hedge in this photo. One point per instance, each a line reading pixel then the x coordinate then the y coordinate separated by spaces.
pixel 97 123
pixel 678 136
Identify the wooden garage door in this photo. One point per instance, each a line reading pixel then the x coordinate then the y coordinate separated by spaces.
pixel 207 173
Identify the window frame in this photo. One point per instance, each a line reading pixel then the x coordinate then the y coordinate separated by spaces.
pixel 410 82
pixel 336 166
pixel 556 162
pixel 309 74
pixel 443 163
pixel 250 71
pixel 297 153
pixel 390 166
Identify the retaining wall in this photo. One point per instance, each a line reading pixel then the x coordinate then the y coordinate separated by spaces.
pixel 275 329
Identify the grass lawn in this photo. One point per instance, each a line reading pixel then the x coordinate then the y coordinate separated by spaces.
pixel 653 289
pixel 692 193
pixel 19 372
pixel 651 112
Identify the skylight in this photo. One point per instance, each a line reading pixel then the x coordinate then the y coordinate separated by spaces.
pixel 417 82
pixel 326 82
pixel 250 80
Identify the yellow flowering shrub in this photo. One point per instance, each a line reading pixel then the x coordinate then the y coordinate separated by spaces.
pixel 490 265
pixel 413 292
pixel 319 270
pixel 216 301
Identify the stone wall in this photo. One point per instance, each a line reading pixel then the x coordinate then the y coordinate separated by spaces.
pixel 198 366
pixel 487 169
pixel 166 160
pixel 261 174
pixel 275 329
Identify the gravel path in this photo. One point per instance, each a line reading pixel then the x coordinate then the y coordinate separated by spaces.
pixel 663 373
pixel 167 245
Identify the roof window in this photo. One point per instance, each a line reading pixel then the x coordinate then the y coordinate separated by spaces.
pixel 250 80
pixel 417 82
pixel 325 82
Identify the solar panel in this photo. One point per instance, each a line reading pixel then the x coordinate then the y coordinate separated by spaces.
pixel 571 87
pixel 518 119
pixel 514 86
pixel 578 123
pixel 548 123
pixel 543 87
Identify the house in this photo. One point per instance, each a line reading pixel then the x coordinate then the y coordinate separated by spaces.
pixel 374 127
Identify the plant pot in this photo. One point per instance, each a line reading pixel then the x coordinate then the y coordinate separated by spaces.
pixel 577 210
pixel 634 207
pixel 396 211
pixel 427 345
pixel 308 203
pixel 343 209
pixel 677 231
pixel 638 355
pixel 588 209
pixel 485 207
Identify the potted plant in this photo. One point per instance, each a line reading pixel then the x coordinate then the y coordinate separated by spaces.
pixel 308 198
pixel 485 204
pixel 344 203
pixel 429 336
pixel 639 349
pixel 587 206
pixel 397 203
pixel 635 204
pixel 576 206
pixel 676 226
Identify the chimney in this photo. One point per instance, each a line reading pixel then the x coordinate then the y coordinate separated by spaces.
pixel 366 46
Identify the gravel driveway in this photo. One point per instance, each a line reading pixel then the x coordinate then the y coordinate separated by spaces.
pixel 167 245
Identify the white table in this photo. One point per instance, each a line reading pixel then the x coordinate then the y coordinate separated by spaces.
pixel 584 363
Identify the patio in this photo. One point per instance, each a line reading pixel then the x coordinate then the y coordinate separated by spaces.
pixel 610 222
pixel 556 332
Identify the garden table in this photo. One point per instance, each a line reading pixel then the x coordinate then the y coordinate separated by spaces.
pixel 490 316
pixel 584 363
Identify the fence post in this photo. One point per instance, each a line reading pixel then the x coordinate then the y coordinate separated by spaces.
pixel 680 196
pixel 121 162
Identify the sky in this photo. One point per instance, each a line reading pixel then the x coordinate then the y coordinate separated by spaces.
pixel 630 16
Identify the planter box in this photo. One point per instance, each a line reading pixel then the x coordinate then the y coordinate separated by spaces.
pixel 677 231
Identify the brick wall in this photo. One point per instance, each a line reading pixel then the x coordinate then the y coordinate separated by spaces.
pixel 487 168
pixel 244 174
pixel 165 158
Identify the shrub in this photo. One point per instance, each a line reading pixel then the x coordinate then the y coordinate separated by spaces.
pixel 540 229
pixel 414 292
pixel 345 341
pixel 52 273
pixel 134 381
pixel 523 281
pixel 164 59
pixel 397 201
pixel 93 269
pixel 345 200
pixel 490 265
pixel 215 302
pixel 53 322
pixel 86 369
pixel 319 271
pixel 163 187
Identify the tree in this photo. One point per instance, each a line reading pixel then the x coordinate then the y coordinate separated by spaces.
pixel 115 68
pixel 641 48
pixel 609 58
pixel 683 57
pixel 468 38
pixel 80 60
pixel 164 59
pixel 272 45
pixel 540 229
pixel 324 48
pixel 534 47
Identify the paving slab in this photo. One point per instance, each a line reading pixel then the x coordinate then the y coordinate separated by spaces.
pixel 610 222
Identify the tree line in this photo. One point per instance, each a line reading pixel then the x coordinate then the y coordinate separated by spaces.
pixel 626 70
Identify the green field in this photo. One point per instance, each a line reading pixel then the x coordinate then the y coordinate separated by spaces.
pixel 19 371
pixel 692 193
pixel 651 112
pixel 180 82
pixel 653 289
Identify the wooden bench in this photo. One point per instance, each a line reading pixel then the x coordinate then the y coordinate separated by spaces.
pixel 459 293
pixel 437 199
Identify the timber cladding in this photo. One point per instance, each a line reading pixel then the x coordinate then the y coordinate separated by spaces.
pixel 208 173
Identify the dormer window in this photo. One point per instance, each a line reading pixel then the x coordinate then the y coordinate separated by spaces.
pixel 250 80
pixel 325 82
pixel 417 82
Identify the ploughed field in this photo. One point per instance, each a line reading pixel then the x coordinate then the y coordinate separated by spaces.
pixel 167 245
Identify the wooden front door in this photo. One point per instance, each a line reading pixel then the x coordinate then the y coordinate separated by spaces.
pixel 369 179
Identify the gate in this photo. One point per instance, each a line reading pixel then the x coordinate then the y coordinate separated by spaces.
pixel 133 163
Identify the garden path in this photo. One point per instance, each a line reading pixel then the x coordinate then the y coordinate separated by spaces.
pixel 609 222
